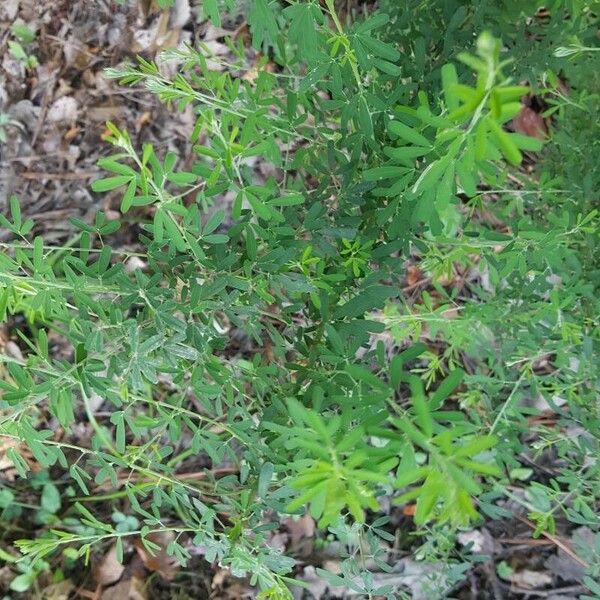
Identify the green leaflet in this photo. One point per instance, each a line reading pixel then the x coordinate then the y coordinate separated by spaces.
pixel 407 133
pixel 507 146
pixel 303 31
pixel 263 23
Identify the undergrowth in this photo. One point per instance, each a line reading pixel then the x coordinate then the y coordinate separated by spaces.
pixel 388 133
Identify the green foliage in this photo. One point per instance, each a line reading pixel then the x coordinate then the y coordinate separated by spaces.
pixel 308 265
pixel 17 47
pixel 448 478
pixel 340 470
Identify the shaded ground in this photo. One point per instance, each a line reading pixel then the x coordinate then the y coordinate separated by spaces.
pixel 56 110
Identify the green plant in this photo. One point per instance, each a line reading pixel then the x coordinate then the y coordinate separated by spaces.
pixel 23 36
pixel 307 266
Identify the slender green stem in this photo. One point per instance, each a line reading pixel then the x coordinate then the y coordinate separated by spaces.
pixel 507 403
pixel 351 58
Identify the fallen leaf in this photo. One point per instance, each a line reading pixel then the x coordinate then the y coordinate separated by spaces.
pixel 481 540
pixel 63 110
pixel 135 264
pixel 301 528
pixel 529 122
pixel 163 564
pixel 278 541
pixel 130 589
pixel 104 113
pixel 7 470
pixel 564 566
pixel 10 8
pixel 58 591
pixel 71 133
pixel 301 535
pixel 77 54
pixel 531 580
pixel 143 119
pixel 180 14
pixel 13 350
pixel 413 275
pixel 250 75
pixel 109 570
pixel 6 576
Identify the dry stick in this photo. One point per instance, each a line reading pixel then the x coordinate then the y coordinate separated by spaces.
pixel 557 541
pixel 66 176
pixel 199 475
pixel 545 593
pixel 525 542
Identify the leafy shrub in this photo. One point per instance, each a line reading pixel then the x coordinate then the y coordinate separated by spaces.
pixel 308 265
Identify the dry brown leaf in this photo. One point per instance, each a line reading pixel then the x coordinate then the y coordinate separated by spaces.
pixel 301 532
pixel 219 578
pixel 58 591
pixel 77 54
pixel 63 110
pixel 7 470
pixel 530 579
pixel 562 565
pixel 163 564
pixel 267 353
pixel 300 529
pixel 143 119
pixel 104 113
pixel 413 275
pixel 109 570
pixel 529 122
pixel 451 313
pixel 71 133
pixel 278 541
pixel 6 576
pixel 227 588
pixel 250 75
pixel 129 589
pixel 242 33
pixel 146 7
